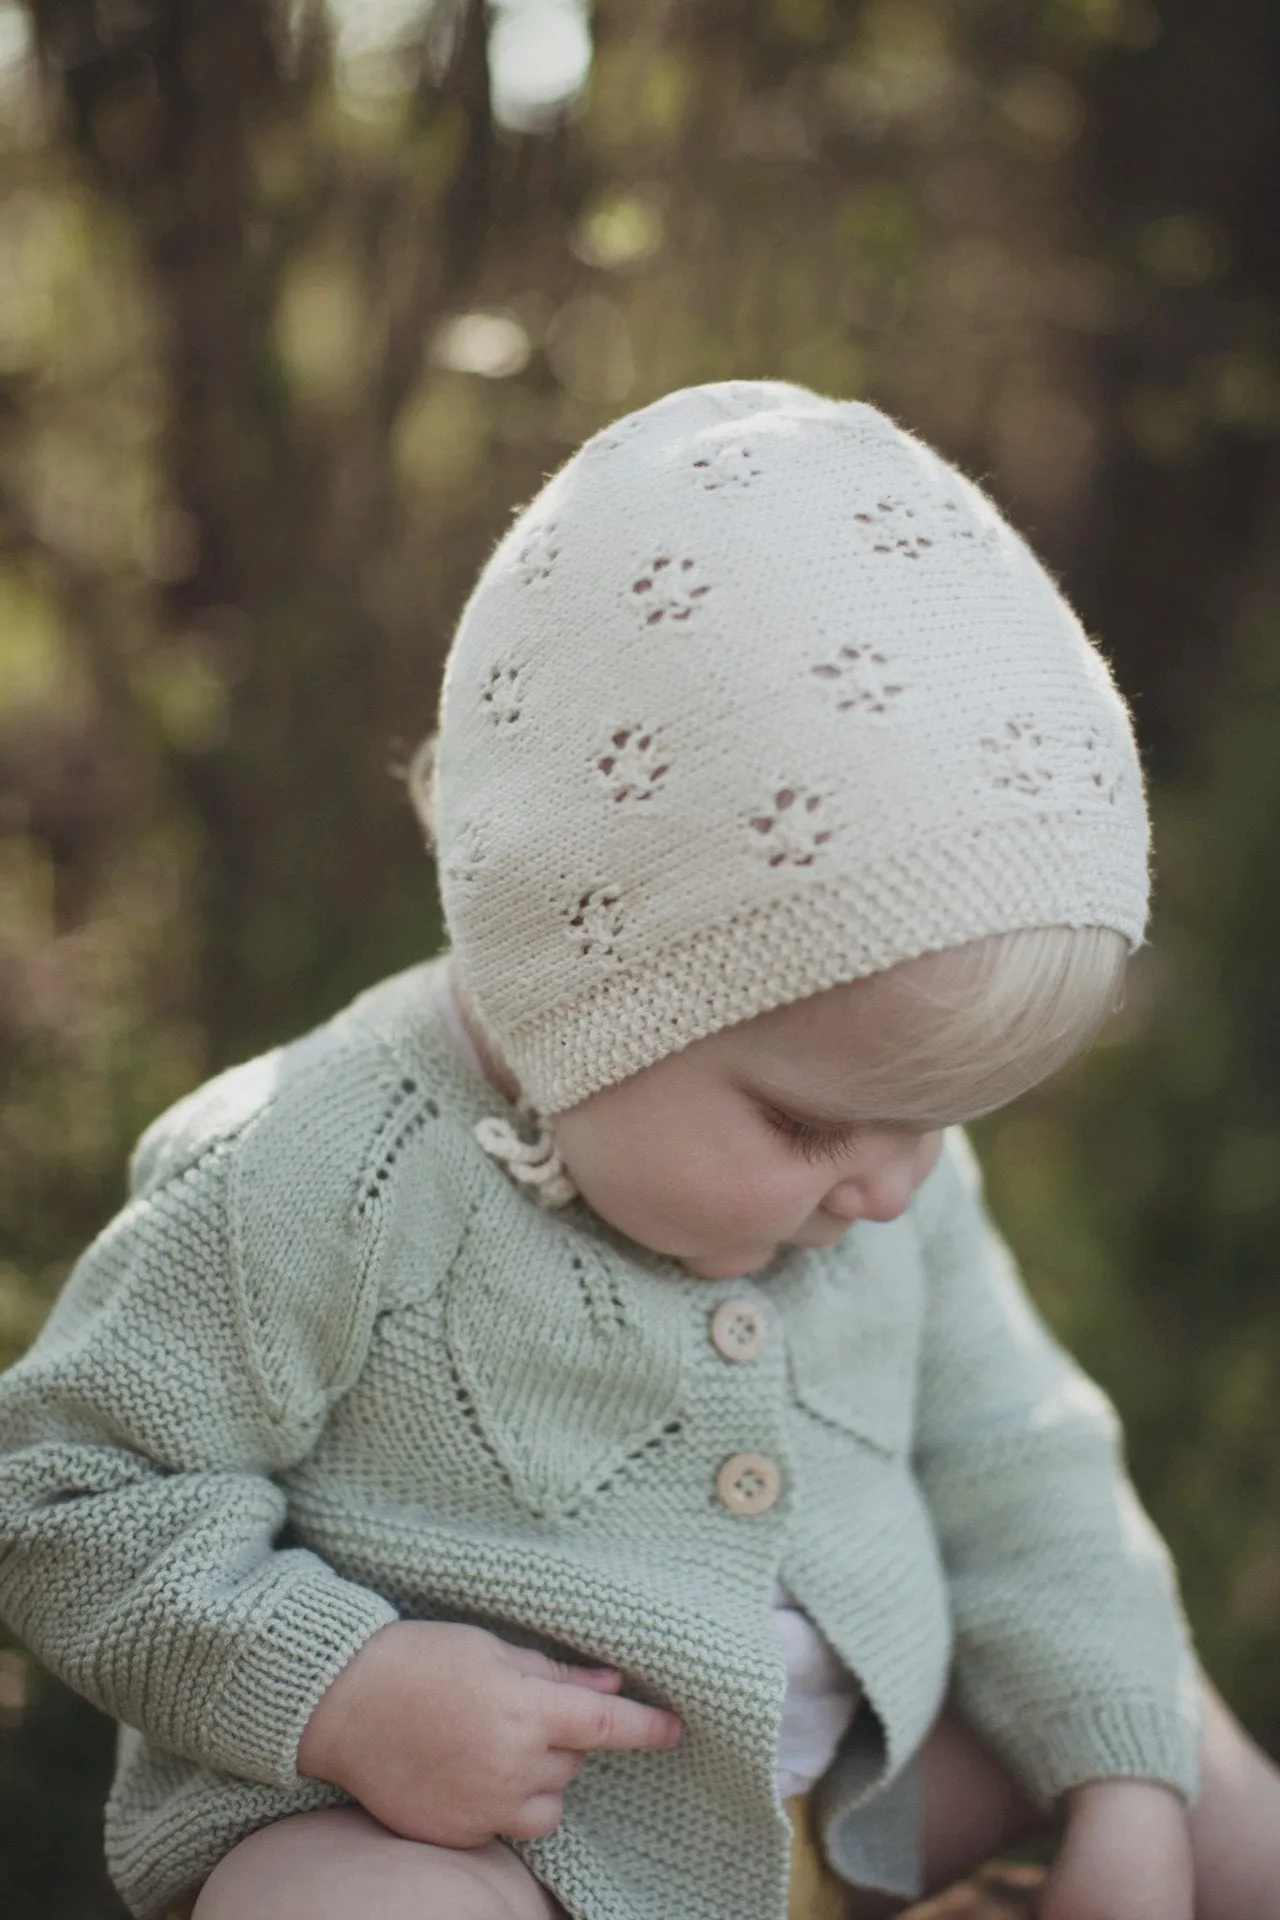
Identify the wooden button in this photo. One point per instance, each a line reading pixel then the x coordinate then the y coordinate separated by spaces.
pixel 749 1483
pixel 738 1329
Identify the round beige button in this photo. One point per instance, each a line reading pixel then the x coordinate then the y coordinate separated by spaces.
pixel 738 1329
pixel 749 1483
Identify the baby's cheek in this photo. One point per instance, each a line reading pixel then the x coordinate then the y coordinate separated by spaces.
pixel 689 1203
pixel 645 1191
pixel 757 1199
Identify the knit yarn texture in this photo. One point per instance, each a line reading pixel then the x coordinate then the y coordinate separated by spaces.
pixel 760 695
pixel 331 1366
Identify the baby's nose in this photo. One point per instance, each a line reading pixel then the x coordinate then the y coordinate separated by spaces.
pixel 876 1193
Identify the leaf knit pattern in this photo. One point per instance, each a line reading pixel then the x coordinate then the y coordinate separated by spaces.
pixel 332 1366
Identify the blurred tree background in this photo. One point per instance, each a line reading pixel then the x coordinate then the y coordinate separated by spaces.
pixel 298 302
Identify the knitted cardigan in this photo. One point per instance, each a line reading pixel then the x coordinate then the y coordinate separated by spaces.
pixel 330 1366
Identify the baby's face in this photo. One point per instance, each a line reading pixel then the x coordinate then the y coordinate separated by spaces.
pixel 750 1140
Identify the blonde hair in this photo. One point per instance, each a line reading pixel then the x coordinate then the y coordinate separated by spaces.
pixel 954 1034
pixel 958 1033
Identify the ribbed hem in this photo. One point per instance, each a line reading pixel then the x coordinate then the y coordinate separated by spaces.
pixel 991 878
pixel 282 1665
pixel 1134 1740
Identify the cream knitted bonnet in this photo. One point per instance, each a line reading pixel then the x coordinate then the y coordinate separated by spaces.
pixel 757 696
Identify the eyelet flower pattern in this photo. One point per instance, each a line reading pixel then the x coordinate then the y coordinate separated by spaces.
pixel 912 529
pixel 730 463
pixel 1016 759
pixel 469 856
pixel 1105 771
pixel 862 679
pixel 791 827
pixel 538 555
pixel 633 763
pixel 500 695
pixel 669 588
pixel 595 922
pixel 617 436
pixel 957 525
pixel 891 526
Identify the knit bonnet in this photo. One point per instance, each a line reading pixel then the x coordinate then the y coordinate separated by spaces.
pixel 757 696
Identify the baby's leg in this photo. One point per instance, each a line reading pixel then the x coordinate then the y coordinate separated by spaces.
pixel 341 1865
pixel 972 1808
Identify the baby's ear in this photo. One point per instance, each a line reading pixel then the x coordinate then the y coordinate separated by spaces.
pixel 420 774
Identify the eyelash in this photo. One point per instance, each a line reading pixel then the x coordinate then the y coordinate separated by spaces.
pixel 815 1143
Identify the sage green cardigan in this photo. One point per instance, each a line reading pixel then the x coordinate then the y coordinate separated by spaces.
pixel 330 1366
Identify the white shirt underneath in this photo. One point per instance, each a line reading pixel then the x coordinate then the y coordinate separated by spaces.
pixel 821 1695
pixel 821 1698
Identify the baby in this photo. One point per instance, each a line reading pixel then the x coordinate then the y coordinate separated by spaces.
pixel 563 1438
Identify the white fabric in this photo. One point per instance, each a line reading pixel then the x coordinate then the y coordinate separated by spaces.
pixel 759 695
pixel 821 1698
pixel 821 1694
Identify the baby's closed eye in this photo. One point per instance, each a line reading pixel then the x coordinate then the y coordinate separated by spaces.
pixel 816 1144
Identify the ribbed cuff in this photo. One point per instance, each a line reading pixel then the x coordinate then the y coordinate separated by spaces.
pixel 1055 1750
pixel 283 1663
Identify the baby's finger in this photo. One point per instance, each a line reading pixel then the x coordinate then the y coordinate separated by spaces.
pixel 540 1815
pixel 584 1721
pixel 598 1679
pixel 539 1667
pixel 558 1768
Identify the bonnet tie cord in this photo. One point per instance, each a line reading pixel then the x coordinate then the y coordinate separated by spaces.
pixel 533 1161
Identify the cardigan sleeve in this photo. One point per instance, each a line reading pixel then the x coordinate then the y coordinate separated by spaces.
pixel 141 1549
pixel 1071 1652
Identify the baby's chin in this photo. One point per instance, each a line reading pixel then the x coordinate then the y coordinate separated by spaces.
pixel 732 1266
pixel 741 1262
pixel 728 1266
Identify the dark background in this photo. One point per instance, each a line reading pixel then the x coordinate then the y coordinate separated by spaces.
pixel 291 318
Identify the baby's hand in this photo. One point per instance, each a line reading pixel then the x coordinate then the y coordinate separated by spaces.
pixel 447 1734
pixel 1126 1855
